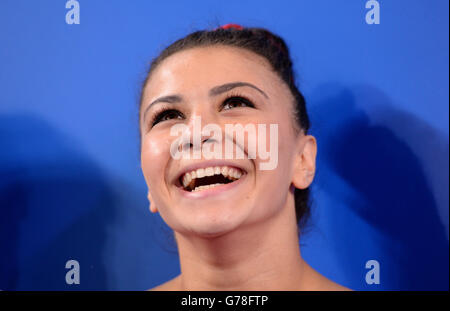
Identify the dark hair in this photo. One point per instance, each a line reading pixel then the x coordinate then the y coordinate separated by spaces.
pixel 275 51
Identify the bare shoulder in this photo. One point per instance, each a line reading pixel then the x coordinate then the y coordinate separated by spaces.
pixel 318 282
pixel 329 285
pixel 171 285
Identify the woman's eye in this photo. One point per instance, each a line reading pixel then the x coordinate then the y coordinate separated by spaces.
pixel 234 102
pixel 167 115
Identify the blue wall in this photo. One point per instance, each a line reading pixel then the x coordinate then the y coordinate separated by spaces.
pixel 70 180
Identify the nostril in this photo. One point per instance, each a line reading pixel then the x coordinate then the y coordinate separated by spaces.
pixel 185 146
pixel 208 140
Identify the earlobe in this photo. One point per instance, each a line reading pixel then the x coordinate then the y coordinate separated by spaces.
pixel 153 208
pixel 305 162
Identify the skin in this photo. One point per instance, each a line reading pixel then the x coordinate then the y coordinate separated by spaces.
pixel 244 238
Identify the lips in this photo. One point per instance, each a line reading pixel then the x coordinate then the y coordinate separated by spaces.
pixel 197 179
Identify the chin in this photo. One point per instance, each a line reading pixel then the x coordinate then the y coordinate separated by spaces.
pixel 209 233
pixel 212 226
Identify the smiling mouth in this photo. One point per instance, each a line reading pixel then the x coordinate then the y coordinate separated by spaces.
pixel 209 177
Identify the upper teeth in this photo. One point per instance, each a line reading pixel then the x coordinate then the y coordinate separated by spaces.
pixel 226 171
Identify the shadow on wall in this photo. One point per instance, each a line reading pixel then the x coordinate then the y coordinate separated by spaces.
pixel 390 159
pixel 55 206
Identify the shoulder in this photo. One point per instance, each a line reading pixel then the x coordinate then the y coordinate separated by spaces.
pixel 329 285
pixel 318 282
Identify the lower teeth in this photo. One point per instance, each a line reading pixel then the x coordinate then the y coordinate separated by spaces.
pixel 200 188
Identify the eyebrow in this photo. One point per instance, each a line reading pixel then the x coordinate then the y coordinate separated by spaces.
pixel 217 90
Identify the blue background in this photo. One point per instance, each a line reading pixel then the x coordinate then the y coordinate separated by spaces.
pixel 70 179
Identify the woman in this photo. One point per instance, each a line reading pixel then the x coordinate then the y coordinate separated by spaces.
pixel 235 224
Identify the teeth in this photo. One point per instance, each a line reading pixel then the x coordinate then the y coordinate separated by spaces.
pixel 209 171
pixel 200 173
pixel 235 174
pixel 217 170
pixel 200 188
pixel 230 174
pixel 188 179
pixel 224 170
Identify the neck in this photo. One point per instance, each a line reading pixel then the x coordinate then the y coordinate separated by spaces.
pixel 261 256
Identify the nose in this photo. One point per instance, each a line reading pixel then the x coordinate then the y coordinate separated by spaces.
pixel 190 144
pixel 197 134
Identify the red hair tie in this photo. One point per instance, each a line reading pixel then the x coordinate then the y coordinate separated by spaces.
pixel 230 26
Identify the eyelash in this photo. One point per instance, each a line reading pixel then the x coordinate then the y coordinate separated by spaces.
pixel 237 96
pixel 160 114
pixel 165 110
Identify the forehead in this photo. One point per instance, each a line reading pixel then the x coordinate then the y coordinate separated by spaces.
pixel 199 69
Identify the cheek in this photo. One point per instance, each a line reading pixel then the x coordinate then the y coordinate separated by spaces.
pixel 276 180
pixel 274 142
pixel 154 157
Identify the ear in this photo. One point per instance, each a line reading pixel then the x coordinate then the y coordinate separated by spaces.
pixel 153 208
pixel 305 162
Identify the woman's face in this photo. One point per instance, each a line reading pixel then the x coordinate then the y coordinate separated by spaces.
pixel 190 78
